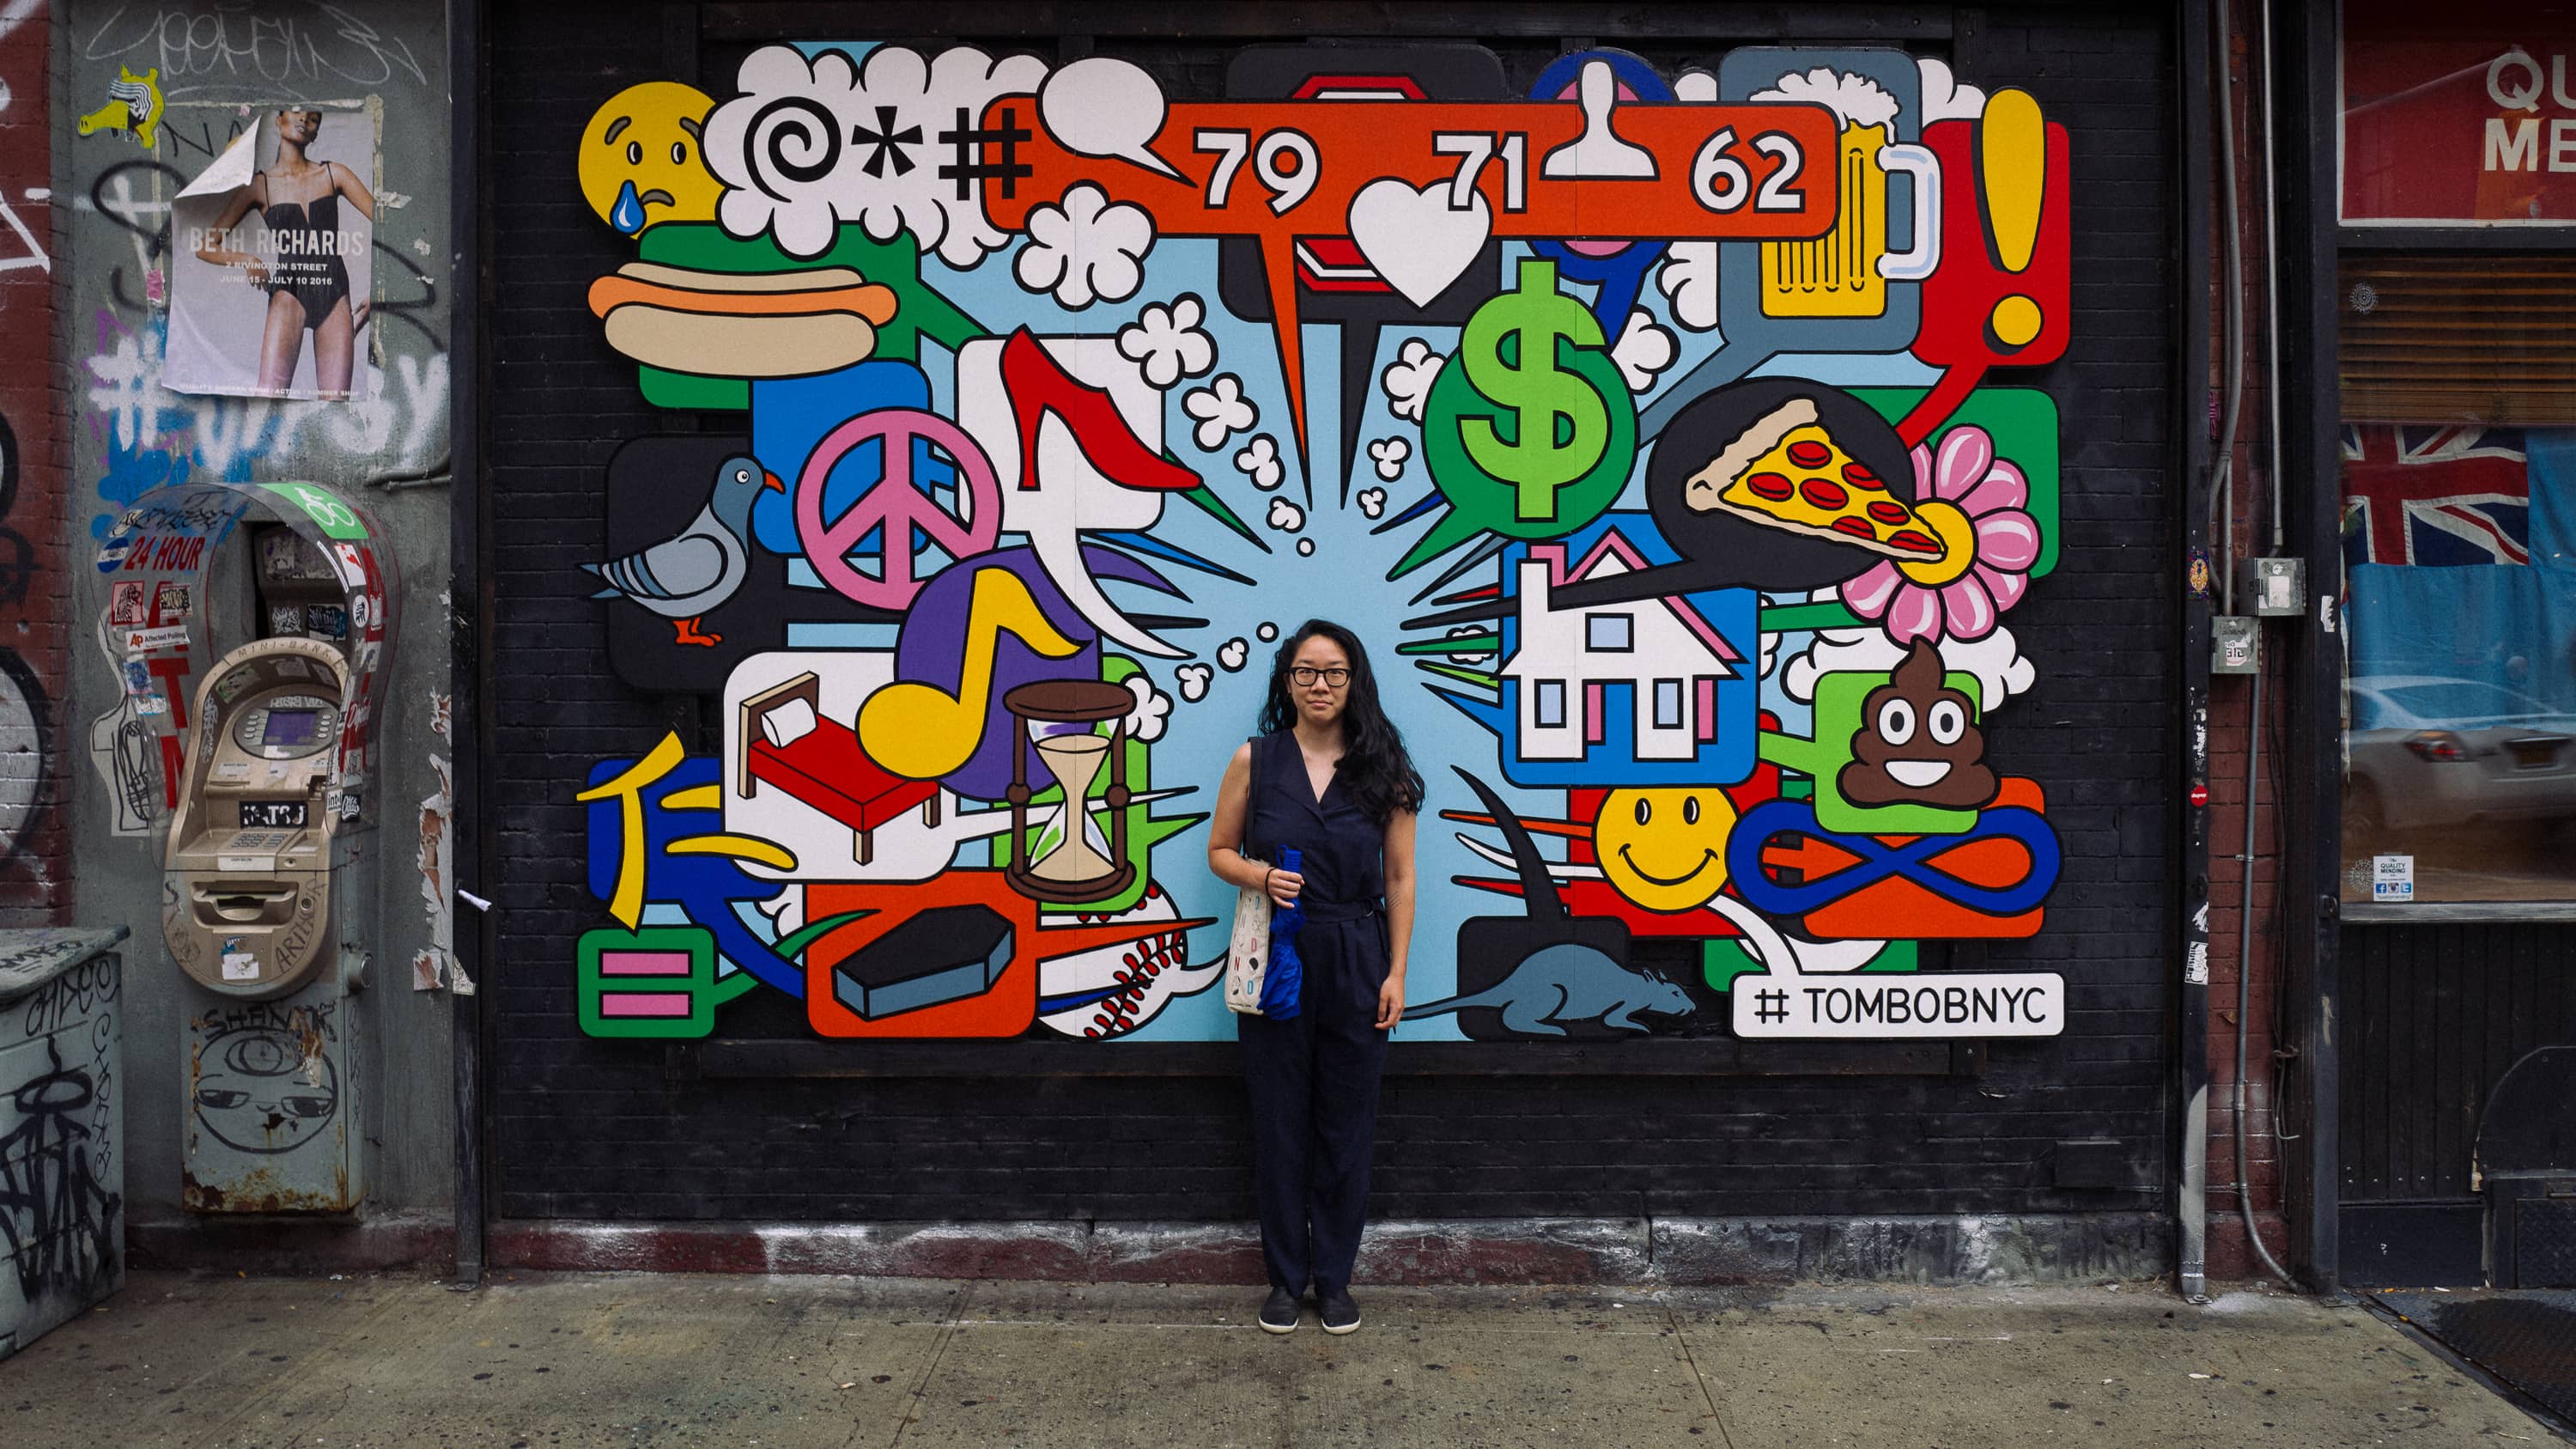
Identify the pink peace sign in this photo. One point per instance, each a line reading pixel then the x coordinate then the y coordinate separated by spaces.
pixel 894 504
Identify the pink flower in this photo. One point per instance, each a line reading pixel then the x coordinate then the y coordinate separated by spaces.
pixel 1972 501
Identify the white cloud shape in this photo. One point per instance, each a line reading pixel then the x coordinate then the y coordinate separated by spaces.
pixel 1389 454
pixel 1306 548
pixel 1232 653
pixel 1153 708
pixel 1194 681
pixel 810 145
pixel 1167 343
pixel 1407 380
pixel 1688 279
pixel 1944 99
pixel 1643 350
pixel 1372 501
pixel 1087 250
pixel 1221 409
pixel 1695 86
pixel 1259 461
pixel 1995 660
pixel 1470 631
pixel 1285 516
pixel 1855 98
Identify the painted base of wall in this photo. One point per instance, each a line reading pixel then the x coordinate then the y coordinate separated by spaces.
pixel 2077 1248
pixel 292 1243
pixel 1674 1251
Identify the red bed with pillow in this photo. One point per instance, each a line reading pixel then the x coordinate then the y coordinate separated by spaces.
pixel 788 743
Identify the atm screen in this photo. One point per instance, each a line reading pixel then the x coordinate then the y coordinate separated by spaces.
pixel 289 727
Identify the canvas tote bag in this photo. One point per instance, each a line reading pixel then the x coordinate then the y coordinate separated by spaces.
pixel 1247 955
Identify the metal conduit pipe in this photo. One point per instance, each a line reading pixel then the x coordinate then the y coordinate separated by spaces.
pixel 2245 974
pixel 2232 305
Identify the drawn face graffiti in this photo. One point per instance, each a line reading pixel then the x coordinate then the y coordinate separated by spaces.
pixel 640 162
pixel 255 1094
pixel 1664 849
pixel 1918 742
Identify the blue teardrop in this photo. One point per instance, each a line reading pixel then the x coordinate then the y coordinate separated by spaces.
pixel 628 214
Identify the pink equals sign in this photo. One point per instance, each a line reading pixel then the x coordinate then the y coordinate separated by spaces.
pixel 645 1003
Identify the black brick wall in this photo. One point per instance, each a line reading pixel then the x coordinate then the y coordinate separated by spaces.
pixel 585 1128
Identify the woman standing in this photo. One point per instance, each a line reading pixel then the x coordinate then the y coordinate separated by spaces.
pixel 308 282
pixel 1336 785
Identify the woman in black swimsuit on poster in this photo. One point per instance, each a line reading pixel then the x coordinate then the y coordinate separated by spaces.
pixel 308 283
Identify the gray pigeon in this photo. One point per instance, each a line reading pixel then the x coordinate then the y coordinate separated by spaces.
pixel 689 575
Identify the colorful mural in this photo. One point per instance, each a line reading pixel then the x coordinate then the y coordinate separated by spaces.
pixel 1653 420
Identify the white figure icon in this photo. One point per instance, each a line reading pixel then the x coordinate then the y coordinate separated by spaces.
pixel 1598 153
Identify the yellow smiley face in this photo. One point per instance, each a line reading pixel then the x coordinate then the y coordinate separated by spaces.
pixel 1664 849
pixel 640 157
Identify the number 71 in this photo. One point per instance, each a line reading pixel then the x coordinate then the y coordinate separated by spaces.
pixel 1476 148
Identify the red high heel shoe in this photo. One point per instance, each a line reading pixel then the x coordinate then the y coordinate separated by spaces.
pixel 1038 385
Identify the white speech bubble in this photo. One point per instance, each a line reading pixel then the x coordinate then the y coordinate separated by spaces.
pixel 1103 106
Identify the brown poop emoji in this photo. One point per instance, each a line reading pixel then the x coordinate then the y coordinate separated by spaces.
pixel 1918 742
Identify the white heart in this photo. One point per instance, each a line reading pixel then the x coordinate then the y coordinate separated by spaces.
pixel 1414 239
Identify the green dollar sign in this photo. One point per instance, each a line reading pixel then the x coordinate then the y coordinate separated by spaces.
pixel 1560 423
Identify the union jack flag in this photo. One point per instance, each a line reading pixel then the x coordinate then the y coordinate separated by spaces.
pixel 2433 494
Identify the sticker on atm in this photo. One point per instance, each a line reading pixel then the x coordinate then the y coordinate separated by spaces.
pixel 240 965
pixel 167 636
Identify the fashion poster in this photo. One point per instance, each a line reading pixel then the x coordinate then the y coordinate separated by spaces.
pixel 270 282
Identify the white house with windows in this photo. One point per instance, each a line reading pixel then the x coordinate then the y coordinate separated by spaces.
pixel 1573 665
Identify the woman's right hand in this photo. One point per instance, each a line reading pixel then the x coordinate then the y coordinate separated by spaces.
pixel 1283 886
pixel 257 273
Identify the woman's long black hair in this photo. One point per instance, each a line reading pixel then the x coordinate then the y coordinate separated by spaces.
pixel 1376 772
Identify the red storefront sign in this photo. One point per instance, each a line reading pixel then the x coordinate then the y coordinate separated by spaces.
pixel 2458 114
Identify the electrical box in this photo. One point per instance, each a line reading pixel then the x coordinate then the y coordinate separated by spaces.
pixel 2235 645
pixel 2273 588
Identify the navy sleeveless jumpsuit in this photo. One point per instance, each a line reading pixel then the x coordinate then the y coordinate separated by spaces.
pixel 1314 1078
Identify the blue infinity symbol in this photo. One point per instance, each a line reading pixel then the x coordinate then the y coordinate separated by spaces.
pixel 1879 860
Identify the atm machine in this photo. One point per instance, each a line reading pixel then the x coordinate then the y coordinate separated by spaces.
pixel 256 845
pixel 269 870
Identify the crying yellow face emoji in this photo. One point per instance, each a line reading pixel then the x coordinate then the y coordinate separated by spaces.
pixel 1664 849
pixel 641 162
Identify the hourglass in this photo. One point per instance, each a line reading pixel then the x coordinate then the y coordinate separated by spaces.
pixel 1072 869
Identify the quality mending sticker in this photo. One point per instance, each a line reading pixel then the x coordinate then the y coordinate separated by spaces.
pixel 240 966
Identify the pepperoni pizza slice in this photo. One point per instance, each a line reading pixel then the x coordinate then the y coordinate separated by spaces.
pixel 1787 472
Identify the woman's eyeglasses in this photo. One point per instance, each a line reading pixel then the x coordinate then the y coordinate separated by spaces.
pixel 1304 676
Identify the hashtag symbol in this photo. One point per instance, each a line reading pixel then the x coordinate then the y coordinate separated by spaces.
pixel 1007 138
pixel 1770 1006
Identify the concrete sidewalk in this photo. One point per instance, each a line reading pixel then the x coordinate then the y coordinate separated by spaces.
pixel 607 1359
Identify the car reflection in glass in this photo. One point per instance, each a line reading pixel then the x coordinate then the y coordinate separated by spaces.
pixel 2428 751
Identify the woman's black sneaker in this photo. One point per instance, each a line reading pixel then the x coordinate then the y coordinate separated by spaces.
pixel 1339 1313
pixel 1279 1312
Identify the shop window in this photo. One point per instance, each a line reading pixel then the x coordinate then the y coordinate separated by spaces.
pixel 2459 579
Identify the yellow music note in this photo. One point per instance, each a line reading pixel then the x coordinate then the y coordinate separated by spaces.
pixel 920 731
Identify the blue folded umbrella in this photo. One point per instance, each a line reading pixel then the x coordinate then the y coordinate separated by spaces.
pixel 1284 983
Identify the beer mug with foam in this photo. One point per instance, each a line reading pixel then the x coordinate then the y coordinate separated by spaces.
pixel 1845 272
